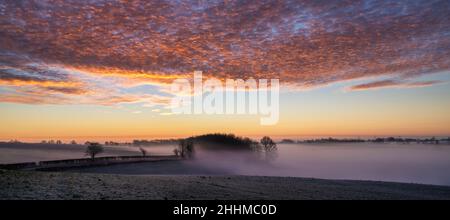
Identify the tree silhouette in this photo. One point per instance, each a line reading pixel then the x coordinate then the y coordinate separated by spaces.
pixel 143 151
pixel 270 148
pixel 93 149
pixel 186 148
pixel 176 151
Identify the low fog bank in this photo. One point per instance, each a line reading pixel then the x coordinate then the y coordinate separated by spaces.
pixel 233 162
pixel 410 163
pixel 380 162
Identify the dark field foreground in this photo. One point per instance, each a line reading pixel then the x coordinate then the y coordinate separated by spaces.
pixel 43 185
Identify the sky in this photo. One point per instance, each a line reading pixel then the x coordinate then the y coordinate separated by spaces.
pixel 79 69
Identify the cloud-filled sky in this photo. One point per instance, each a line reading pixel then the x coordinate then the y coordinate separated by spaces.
pixel 46 45
pixel 105 52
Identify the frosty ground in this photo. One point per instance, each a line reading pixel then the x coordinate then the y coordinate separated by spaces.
pixel 68 185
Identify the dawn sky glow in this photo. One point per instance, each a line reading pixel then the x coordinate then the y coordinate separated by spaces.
pixel 78 68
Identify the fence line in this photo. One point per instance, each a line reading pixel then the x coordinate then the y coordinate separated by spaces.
pixel 69 163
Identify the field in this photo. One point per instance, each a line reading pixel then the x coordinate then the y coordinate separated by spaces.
pixel 44 185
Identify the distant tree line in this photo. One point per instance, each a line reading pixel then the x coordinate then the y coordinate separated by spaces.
pixel 111 143
pixel 52 142
pixel 15 141
pixel 333 140
pixel 153 142
pixel 248 144
pixel 432 140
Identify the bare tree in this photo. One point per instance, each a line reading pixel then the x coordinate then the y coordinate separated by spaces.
pixel 93 149
pixel 143 151
pixel 186 148
pixel 270 147
pixel 176 152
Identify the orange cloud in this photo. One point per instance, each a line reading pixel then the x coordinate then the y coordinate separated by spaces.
pixel 393 83
pixel 303 43
pixel 131 77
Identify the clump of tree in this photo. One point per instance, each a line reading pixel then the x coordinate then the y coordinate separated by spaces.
pixel 269 147
pixel 93 149
pixel 185 148
pixel 226 142
pixel 143 151
pixel 219 141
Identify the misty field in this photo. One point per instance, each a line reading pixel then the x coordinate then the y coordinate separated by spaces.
pixel 300 171
pixel 406 163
